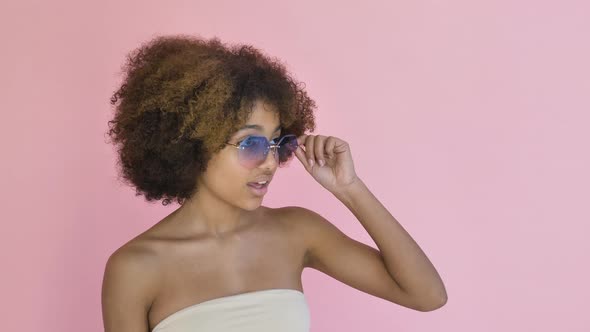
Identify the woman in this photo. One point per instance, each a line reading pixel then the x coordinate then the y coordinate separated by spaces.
pixel 207 125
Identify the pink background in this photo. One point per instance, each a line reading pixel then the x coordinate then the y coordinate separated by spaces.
pixel 467 119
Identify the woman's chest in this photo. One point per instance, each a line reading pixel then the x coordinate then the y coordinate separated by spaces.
pixel 263 258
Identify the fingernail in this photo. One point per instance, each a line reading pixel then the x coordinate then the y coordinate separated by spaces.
pixel 321 162
pixel 310 162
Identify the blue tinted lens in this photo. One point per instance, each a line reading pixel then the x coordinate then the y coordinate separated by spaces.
pixel 287 146
pixel 253 151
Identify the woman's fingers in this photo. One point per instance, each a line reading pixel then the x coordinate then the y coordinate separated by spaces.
pixel 330 143
pixel 309 149
pixel 315 149
pixel 319 149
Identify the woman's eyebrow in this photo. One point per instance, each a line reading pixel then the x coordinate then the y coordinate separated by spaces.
pixel 259 127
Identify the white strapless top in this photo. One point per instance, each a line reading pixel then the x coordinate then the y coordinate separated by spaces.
pixel 269 310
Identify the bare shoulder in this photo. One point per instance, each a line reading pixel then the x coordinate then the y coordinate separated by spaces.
pixel 296 218
pixel 311 227
pixel 304 220
pixel 136 258
pixel 129 285
pixel 293 212
pixel 135 254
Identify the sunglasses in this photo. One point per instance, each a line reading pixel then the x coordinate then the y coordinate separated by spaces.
pixel 253 150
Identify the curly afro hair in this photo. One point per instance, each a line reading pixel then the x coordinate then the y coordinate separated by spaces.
pixel 182 98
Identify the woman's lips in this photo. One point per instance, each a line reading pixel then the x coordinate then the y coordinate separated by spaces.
pixel 258 189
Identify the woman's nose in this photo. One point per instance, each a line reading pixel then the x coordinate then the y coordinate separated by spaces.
pixel 273 156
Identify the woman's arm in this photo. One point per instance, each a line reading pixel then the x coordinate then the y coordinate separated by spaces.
pixel 399 271
pixel 405 261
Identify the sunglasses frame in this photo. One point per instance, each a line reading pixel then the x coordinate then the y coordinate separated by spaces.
pixel 271 146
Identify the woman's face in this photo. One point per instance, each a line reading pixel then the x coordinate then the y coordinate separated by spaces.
pixel 227 178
